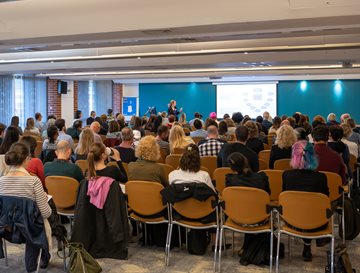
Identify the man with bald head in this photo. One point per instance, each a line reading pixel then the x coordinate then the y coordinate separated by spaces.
pixel 212 144
pixel 95 127
pixel 62 166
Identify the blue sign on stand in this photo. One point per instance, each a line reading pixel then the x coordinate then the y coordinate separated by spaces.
pixel 129 106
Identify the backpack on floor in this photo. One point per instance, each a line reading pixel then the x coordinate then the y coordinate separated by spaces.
pixel 342 262
pixel 352 220
pixel 197 241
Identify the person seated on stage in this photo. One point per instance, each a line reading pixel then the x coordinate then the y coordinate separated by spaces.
pixel 177 138
pixel 189 171
pixel 304 177
pixel 145 167
pixel 61 166
pixel 163 137
pixel 60 124
pixel 199 132
pixel 30 127
pixel 91 119
pixel 126 147
pixel 212 144
pixel 285 138
pixel 242 135
pixel 82 149
pixel 75 130
pixel 329 160
pixel 254 143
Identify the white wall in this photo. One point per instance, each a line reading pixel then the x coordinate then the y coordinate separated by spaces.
pixel 67 105
pixel 131 90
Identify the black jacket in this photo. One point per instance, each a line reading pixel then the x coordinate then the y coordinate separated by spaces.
pixel 230 148
pixel 182 191
pixel 254 180
pixel 21 222
pixel 103 232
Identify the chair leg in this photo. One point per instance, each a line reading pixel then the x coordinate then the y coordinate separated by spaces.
pixel 38 261
pixel 218 247
pixel 289 246
pixel 271 250
pixel 145 232
pixel 277 252
pixel 180 243
pixel 332 253
pixel 186 238
pixel 343 224
pixel 5 253
pixel 233 244
pixel 64 258
pixel 216 256
pixel 224 237
pixel 167 245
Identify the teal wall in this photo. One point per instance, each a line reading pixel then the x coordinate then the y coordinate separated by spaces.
pixel 312 98
pixel 192 97
pixel 319 97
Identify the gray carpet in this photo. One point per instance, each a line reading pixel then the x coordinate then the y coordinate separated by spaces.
pixel 151 259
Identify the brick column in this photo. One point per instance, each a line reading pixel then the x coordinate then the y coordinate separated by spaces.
pixel 117 95
pixel 76 96
pixel 53 98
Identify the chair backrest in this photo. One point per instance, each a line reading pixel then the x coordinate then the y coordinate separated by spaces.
pixel 173 160
pixel 82 163
pixel 166 169
pixel 219 177
pixel 192 208
pixel 352 162
pixel 126 167
pixel 178 151
pixel 63 190
pixel 197 139
pixel 265 155
pixel 38 148
pixel 304 210
pixel 262 165
pixel 334 183
pixel 267 146
pixel 186 131
pixel 144 197
pixel 275 183
pixel 111 142
pixel 271 139
pixel 245 205
pixel 210 163
pixel 282 164
pixel 163 154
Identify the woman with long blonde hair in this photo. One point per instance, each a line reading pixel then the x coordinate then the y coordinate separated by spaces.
pixel 85 141
pixel 177 138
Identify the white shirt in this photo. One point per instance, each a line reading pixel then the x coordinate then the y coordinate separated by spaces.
pixel 353 148
pixel 180 176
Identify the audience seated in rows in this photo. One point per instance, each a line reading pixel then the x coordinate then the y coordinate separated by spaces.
pixel 38 122
pixel 177 138
pixel 126 147
pixel 189 171
pixel 12 135
pixel 61 166
pixel 60 124
pixel 2 132
pixel 85 141
pixel 163 137
pixel 304 177
pixel 95 127
pixel 75 130
pixel 145 167
pixel 253 142
pixel 354 148
pixel 30 128
pixel 285 138
pixel 15 123
pixel 212 144
pixel 242 135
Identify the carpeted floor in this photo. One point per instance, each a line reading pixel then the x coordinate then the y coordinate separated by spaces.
pixel 151 259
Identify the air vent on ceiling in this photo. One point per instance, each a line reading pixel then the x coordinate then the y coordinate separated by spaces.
pixel 157 31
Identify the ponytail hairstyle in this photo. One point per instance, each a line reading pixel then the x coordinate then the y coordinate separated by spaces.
pixel 17 154
pixel 239 163
pixel 95 152
pixel 190 159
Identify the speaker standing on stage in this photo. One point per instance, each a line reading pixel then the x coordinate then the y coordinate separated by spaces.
pixel 173 110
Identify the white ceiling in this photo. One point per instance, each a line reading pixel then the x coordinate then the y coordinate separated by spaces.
pixel 158 40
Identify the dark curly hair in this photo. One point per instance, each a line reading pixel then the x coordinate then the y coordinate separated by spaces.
pixel 190 160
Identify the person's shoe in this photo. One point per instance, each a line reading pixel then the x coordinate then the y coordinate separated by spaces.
pixel 322 242
pixel 307 256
